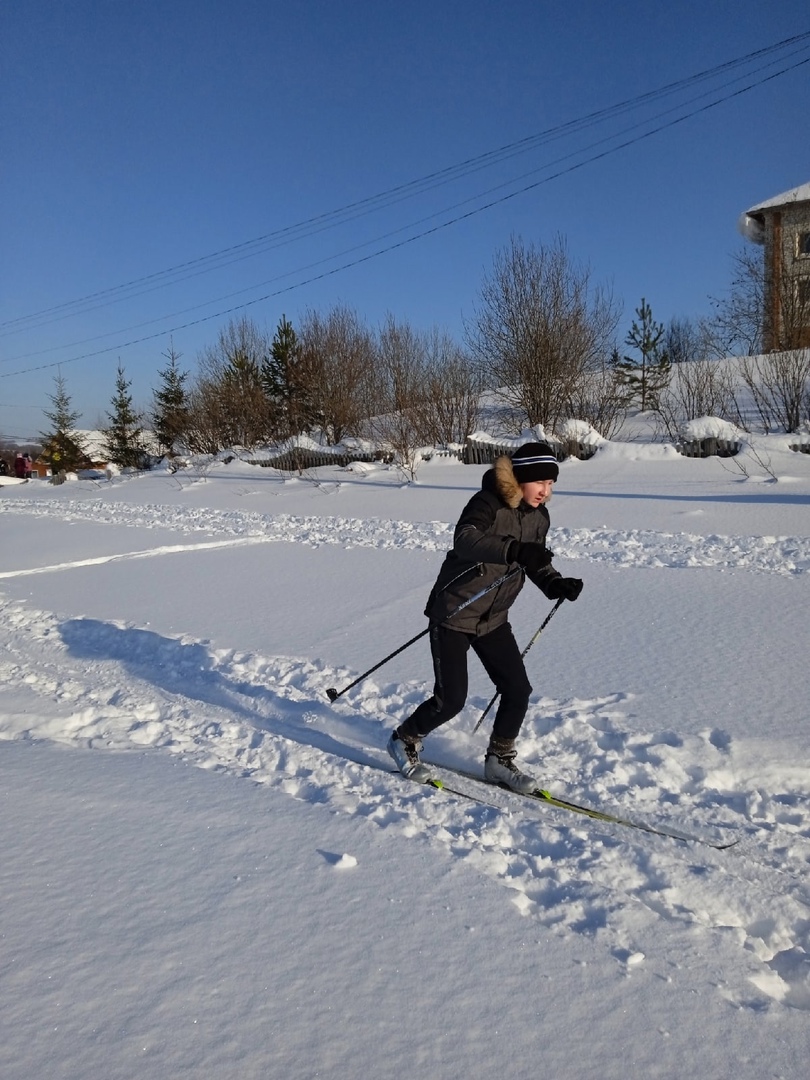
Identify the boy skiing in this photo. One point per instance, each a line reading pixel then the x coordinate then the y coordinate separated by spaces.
pixel 501 533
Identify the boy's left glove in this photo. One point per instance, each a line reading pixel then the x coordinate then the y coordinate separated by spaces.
pixel 564 588
pixel 531 556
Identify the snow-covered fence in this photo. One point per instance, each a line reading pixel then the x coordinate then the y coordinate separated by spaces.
pixel 709 447
pixel 442 452
pixel 302 457
pixel 576 449
pixel 474 452
pixel 486 451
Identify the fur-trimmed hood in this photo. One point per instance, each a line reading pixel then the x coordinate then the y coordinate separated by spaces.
pixel 505 483
pixel 492 522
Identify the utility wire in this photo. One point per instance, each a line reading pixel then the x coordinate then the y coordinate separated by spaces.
pixel 383 200
pixel 406 228
pixel 420 235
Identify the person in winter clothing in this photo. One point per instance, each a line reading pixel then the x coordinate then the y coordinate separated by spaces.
pixel 501 533
pixel 20 465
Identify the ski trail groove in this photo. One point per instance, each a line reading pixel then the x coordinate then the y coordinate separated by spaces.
pixel 782 555
pixel 107 685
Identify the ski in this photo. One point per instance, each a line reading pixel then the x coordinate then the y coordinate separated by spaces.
pixel 631 823
pixel 439 785
pixel 542 796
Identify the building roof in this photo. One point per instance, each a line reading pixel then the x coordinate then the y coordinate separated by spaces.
pixel 797 194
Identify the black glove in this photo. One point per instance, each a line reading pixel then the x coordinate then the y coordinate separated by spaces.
pixel 564 588
pixel 533 556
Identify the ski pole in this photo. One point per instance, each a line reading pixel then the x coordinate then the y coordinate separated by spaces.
pixel 333 694
pixel 536 635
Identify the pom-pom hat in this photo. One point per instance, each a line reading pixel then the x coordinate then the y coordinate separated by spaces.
pixel 534 461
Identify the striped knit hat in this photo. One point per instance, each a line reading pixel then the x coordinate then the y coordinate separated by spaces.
pixel 534 461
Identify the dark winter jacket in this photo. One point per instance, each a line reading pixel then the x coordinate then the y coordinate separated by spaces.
pixel 483 545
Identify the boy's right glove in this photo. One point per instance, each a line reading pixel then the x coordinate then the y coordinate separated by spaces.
pixel 532 556
pixel 564 588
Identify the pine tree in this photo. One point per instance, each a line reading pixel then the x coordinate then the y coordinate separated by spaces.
pixel 646 377
pixel 276 366
pixel 62 446
pixel 123 439
pixel 170 414
pixel 242 399
pixel 285 383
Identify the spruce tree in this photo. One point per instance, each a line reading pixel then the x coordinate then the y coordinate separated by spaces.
pixel 123 439
pixel 285 383
pixel 170 413
pixel 276 366
pixel 62 446
pixel 646 377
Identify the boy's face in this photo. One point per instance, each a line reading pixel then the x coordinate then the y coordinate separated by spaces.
pixel 537 492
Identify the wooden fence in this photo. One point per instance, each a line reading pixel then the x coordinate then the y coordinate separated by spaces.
pixel 301 458
pixel 485 452
pixel 702 448
pixel 728 447
pixel 473 452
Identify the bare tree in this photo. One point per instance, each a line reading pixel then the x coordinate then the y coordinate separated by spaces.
pixel 735 329
pixel 402 373
pixel 540 325
pixel 792 333
pixel 685 341
pixel 449 408
pixel 698 388
pixel 764 309
pixel 207 420
pixel 336 360
pixel 599 398
pixel 229 403
pixel 779 385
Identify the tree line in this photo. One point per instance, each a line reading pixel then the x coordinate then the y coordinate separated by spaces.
pixel 542 340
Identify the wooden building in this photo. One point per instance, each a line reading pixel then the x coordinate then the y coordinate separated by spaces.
pixel 782 226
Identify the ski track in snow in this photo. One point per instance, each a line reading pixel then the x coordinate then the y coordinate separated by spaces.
pixel 118 687
pixel 784 555
pixel 112 686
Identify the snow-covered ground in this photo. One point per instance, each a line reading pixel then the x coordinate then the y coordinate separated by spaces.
pixel 208 870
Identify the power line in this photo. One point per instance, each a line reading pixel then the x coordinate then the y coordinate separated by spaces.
pixel 413 224
pixel 319 223
pixel 420 235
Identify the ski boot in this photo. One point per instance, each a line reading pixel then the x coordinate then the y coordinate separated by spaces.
pixel 405 753
pixel 501 768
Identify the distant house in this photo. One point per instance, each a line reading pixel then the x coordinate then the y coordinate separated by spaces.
pixel 782 225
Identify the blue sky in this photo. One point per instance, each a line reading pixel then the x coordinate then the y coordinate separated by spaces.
pixel 139 138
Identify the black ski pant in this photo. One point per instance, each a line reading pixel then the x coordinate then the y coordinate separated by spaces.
pixel 499 653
